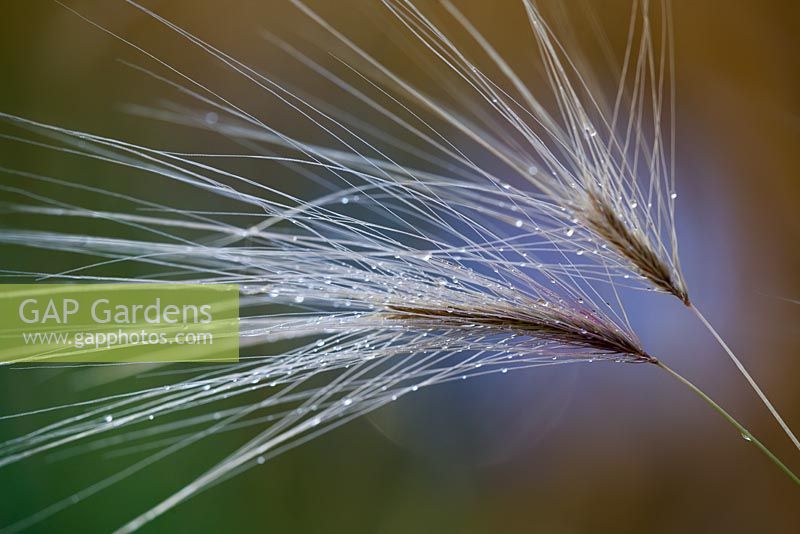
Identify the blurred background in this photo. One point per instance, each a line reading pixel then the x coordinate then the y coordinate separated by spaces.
pixel 592 448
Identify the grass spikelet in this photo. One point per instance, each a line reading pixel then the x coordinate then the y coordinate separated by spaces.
pixel 601 218
pixel 541 321
pixel 439 243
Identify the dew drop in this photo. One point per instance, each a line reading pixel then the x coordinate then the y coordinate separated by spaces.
pixel 746 437
pixel 109 418
pixel 518 223
pixel 299 299
pixel 673 196
pixel 347 401
pixel 261 460
pixel 570 232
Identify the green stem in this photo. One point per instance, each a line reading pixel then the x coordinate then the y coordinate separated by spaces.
pixel 747 376
pixel 745 433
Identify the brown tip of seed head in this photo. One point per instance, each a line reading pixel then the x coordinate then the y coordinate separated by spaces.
pixel 561 326
pixel 602 218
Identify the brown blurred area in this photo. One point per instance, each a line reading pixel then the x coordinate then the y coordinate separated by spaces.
pixel 629 451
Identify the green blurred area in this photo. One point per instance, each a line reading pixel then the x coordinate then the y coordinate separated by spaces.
pixel 599 449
